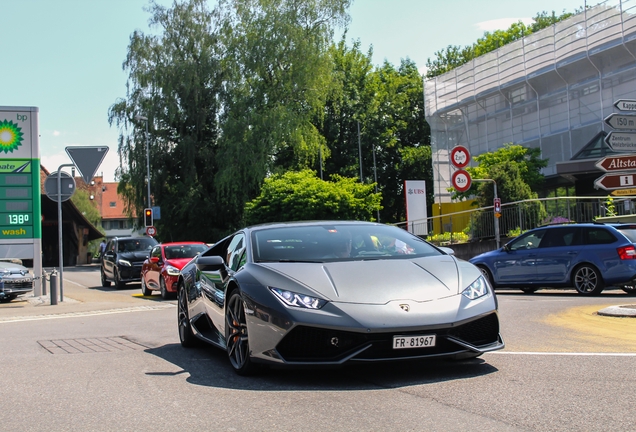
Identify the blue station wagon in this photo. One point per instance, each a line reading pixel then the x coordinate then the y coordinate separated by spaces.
pixel 586 256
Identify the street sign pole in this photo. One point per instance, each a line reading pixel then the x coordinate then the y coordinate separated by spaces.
pixel 59 229
pixel 497 237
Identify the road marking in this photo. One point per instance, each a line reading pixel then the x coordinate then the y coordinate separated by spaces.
pixel 85 314
pixel 562 354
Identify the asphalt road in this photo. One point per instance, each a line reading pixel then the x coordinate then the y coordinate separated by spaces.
pixel 105 360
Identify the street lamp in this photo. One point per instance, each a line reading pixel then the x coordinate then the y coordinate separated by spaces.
pixel 145 119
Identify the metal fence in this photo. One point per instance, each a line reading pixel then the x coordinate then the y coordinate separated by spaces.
pixel 519 216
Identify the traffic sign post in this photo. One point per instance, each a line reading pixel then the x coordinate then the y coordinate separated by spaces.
pixel 67 184
pixel 151 231
pixel 496 203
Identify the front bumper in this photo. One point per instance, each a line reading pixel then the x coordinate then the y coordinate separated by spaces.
pixel 311 345
pixel 130 274
pixel 15 287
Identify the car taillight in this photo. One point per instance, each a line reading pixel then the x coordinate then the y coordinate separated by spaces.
pixel 626 252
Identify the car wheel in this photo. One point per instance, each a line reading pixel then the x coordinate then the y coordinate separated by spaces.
pixel 144 288
pixel 105 282
pixel 587 280
pixel 186 335
pixel 236 338
pixel 629 289
pixel 484 271
pixel 529 290
pixel 165 294
pixel 118 283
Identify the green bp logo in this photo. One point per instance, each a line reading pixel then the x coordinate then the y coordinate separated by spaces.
pixel 10 136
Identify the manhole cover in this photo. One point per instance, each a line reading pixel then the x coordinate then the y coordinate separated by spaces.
pixel 90 345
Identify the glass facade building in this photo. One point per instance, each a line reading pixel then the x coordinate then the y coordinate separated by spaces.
pixel 551 90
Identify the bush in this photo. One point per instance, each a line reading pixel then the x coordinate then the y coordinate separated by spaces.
pixel 448 238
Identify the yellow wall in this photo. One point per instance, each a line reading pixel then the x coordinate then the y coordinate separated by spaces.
pixel 454 223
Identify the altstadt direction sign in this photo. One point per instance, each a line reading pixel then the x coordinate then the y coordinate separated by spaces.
pixel 617 163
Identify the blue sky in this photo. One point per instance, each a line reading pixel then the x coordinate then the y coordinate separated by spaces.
pixel 65 56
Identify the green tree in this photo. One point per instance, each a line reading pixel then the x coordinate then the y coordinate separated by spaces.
pixel 301 195
pixel 87 207
pixel 278 75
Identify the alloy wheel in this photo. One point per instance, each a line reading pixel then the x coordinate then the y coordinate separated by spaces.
pixel 236 337
pixel 587 280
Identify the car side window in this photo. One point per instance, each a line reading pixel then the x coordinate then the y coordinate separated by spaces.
pixel 111 246
pixel 234 252
pixel 598 236
pixel 529 240
pixel 156 252
pixel 557 237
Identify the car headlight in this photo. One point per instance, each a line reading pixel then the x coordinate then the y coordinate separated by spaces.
pixel 477 289
pixel 124 262
pixel 172 271
pixel 290 298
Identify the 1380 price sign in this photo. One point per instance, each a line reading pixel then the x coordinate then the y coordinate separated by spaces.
pixel 16 219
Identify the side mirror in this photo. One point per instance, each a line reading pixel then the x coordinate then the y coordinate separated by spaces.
pixel 210 263
pixel 154 260
pixel 447 250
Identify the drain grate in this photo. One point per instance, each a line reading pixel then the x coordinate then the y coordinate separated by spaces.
pixel 91 345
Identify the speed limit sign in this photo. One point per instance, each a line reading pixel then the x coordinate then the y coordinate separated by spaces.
pixel 461 180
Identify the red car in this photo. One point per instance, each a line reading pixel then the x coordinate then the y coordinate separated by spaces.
pixel 160 272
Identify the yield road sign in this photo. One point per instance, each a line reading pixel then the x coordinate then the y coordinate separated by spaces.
pixel 621 141
pixel 621 121
pixel 460 156
pixel 151 231
pixel 617 163
pixel 87 159
pixel 461 180
pixel 615 181
pixel 626 104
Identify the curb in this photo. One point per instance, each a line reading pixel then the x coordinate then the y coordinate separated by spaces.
pixel 619 311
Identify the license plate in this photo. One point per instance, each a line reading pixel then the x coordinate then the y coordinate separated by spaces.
pixel 421 341
pixel 17 281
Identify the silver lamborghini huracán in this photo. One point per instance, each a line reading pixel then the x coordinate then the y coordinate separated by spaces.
pixel 330 293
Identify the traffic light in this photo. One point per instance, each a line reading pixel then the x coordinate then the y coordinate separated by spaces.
pixel 148 217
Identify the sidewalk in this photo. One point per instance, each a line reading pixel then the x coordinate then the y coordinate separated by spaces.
pixel 78 298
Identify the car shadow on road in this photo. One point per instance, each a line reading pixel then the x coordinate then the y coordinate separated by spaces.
pixel 211 367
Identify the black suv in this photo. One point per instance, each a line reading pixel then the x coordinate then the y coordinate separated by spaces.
pixel 123 259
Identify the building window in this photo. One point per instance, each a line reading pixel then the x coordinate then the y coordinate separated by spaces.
pixel 113 203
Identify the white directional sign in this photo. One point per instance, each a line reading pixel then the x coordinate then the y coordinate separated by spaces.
pixel 621 141
pixel 621 121
pixel 626 104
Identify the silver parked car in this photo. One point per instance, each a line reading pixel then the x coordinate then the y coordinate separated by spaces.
pixel 331 293
pixel 15 280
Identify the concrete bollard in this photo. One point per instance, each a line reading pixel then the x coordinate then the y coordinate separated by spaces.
pixel 43 281
pixel 53 290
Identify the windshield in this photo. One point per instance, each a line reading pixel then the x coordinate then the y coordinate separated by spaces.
pixel 183 251
pixel 321 243
pixel 136 245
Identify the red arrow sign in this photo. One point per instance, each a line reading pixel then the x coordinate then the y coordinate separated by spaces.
pixel 617 163
pixel 615 181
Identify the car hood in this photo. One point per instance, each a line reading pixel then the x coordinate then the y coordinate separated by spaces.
pixel 14 269
pixel 376 281
pixel 178 262
pixel 134 256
